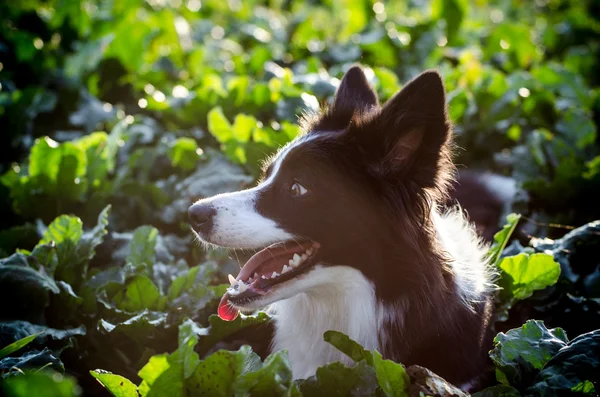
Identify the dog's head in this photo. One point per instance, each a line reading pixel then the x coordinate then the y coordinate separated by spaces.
pixel 354 190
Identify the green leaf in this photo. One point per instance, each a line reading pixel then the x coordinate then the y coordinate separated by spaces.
pixel 391 376
pixel 274 378
pixel 218 374
pixel 162 376
pixel 31 360
pixel 577 363
pixel 117 385
pixel 243 126
pixel 44 159
pixel 188 339
pixel 142 246
pixel 524 274
pixel 336 379
pixel 13 347
pixel 347 346
pixel 28 291
pixel 521 352
pixel 183 283
pixel 453 11
pixel 219 126
pixel 139 294
pixel 93 238
pixel 220 329
pixel 501 238
pixel 184 153
pixel 40 383
pixel 65 231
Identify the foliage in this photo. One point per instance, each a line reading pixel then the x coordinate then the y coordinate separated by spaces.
pixel 112 131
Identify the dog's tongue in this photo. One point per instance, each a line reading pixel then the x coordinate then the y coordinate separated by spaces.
pixel 226 311
pixel 264 262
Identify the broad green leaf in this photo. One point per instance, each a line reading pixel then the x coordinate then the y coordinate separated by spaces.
pixel 13 331
pixel 524 274
pixel 577 363
pixel 242 127
pixel 219 126
pixel 352 349
pixel 44 158
pixel 183 283
pixel 139 294
pixel 391 376
pixel 274 378
pixel 139 327
pixel 40 383
pixel 218 374
pixel 162 376
pixel 521 352
pixel 184 153
pixel 32 360
pixel 27 290
pixel 13 347
pixel 117 385
pixel 188 339
pixel 220 329
pixel 336 379
pixel 65 231
pixel 142 246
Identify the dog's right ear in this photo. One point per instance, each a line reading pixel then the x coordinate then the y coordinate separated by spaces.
pixel 354 95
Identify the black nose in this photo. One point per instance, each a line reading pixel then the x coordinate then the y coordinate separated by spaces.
pixel 200 217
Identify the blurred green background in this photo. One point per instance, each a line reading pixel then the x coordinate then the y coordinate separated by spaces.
pixel 148 105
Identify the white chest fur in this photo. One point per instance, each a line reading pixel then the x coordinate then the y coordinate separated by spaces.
pixel 340 299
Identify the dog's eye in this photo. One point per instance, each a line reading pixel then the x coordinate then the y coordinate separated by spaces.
pixel 298 190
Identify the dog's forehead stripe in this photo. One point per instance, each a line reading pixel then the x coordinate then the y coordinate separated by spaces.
pixel 280 158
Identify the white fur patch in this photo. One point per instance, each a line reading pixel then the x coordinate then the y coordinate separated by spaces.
pixel 472 273
pixel 237 223
pixel 336 298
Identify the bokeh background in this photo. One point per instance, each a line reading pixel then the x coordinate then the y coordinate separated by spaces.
pixel 148 105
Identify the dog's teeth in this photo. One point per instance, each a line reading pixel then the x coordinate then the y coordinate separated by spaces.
pixel 285 269
pixel 264 277
pixel 304 257
pixel 232 280
pixel 296 258
pixel 275 274
pixel 291 262
pixel 309 251
pixel 255 275
pixel 242 287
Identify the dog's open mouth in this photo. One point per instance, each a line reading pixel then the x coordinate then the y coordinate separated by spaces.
pixel 270 266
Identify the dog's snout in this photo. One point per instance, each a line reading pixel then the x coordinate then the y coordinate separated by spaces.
pixel 200 217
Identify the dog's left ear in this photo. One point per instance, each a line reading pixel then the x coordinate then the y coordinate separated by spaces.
pixel 417 131
pixel 354 95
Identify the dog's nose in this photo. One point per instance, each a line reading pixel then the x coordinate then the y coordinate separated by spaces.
pixel 200 217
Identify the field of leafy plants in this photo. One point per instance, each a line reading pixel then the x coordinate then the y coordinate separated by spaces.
pixel 117 115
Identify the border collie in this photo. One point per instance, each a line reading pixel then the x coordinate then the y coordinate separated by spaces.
pixel 352 237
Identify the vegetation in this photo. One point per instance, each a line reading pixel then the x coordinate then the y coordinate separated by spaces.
pixel 117 115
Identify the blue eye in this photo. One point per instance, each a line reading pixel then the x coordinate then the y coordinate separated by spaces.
pixel 298 190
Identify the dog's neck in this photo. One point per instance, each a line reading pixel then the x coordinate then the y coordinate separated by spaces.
pixel 344 301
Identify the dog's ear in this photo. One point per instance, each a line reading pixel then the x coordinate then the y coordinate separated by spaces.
pixel 354 95
pixel 417 132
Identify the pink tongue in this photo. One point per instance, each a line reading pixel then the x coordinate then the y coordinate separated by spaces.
pixel 226 311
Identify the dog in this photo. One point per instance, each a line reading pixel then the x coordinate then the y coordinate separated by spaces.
pixel 352 237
